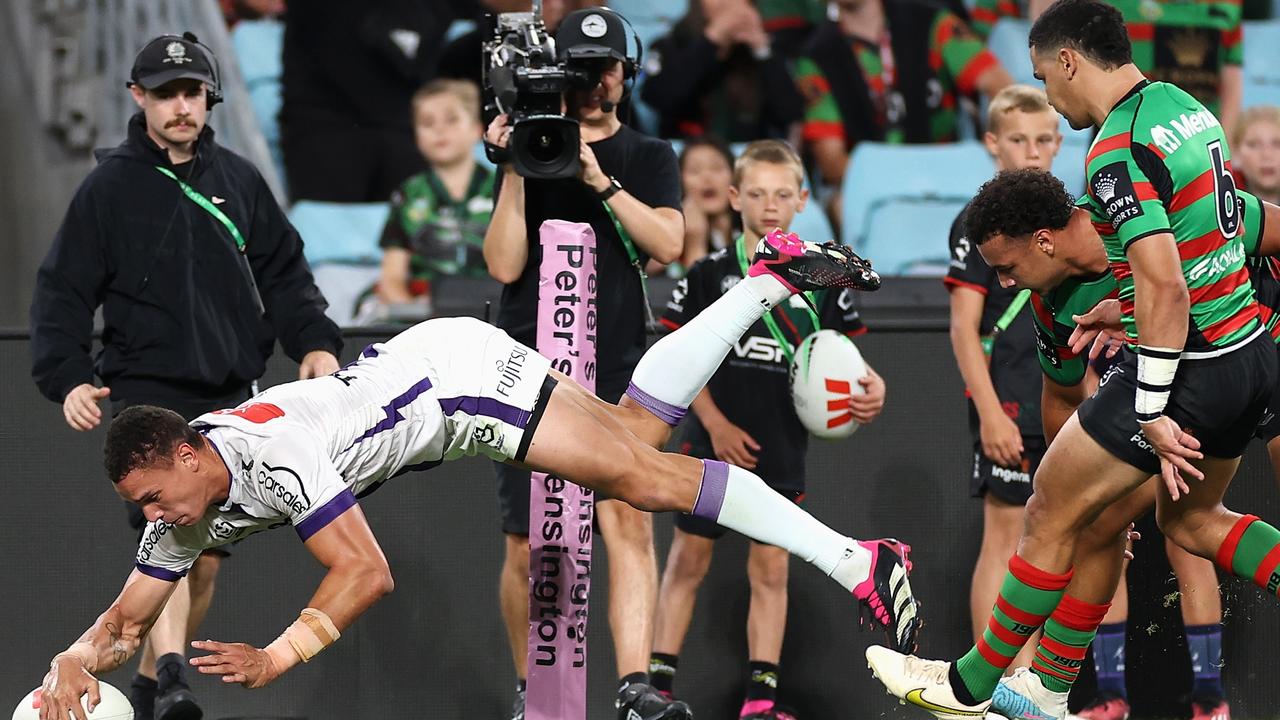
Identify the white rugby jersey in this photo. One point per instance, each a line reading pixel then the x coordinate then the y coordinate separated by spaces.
pixel 301 453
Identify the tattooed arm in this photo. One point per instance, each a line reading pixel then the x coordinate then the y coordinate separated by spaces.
pixel 105 646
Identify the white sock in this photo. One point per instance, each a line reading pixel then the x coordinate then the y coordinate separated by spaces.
pixel 677 367
pixel 739 500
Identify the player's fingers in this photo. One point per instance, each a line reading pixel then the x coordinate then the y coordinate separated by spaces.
pixel 750 442
pixel 1189 440
pixel 77 710
pixel 1185 468
pixel 95 695
pixel 222 668
pixel 1169 475
pixel 1080 339
pixel 210 645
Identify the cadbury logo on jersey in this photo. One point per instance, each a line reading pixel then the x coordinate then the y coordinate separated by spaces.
pixel 297 500
pixel 1114 190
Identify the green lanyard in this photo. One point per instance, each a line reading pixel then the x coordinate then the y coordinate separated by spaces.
pixel 1005 320
pixel 221 217
pixel 209 207
pixel 740 249
pixel 634 257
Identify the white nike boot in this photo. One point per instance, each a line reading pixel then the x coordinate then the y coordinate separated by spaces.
pixel 922 683
pixel 1022 696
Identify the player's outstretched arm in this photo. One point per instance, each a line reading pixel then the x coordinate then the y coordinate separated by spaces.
pixel 358 576
pixel 115 636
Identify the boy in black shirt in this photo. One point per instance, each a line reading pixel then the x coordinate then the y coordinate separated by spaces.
pixel 749 397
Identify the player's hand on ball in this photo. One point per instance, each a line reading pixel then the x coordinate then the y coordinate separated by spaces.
pixel 236 663
pixel 1176 449
pixel 64 685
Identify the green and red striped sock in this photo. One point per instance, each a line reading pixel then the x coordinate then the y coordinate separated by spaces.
pixel 1027 597
pixel 1252 551
pixel 1067 635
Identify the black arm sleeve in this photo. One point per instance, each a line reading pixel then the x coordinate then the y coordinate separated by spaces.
pixel 295 306
pixel 69 288
pixel 672 82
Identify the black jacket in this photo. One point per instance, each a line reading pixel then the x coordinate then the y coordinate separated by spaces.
pixel 180 316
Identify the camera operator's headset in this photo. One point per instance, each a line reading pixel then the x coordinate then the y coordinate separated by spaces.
pixel 213 94
pixel 630 67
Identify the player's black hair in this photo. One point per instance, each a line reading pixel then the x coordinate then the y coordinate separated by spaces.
pixel 1093 28
pixel 1016 203
pixel 145 436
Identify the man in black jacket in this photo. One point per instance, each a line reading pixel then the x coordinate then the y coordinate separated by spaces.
pixel 198 272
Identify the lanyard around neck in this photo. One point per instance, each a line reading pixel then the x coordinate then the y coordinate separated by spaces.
pixel 208 206
pixel 740 249
pixel 634 257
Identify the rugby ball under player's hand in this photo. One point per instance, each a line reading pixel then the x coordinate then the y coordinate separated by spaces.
pixel 824 375
pixel 114 705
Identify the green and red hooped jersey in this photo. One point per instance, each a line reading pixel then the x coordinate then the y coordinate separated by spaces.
pixel 1160 164
pixel 1076 296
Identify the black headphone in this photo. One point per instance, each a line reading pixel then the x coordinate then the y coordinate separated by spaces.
pixel 213 94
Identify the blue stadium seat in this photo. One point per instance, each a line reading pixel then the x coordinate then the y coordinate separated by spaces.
pixel 908 236
pixel 1008 42
pixel 878 173
pixel 340 232
pixel 341 243
pixel 1261 71
pixel 259 47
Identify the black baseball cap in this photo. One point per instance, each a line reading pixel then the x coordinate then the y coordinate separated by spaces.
pixel 592 33
pixel 172 57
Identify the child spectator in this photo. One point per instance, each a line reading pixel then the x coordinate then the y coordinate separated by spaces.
pixel 439 216
pixel 710 223
pixel 745 417
pixel 1255 151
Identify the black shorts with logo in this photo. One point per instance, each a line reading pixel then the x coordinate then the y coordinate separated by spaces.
pixel 1218 400
pixel 1012 485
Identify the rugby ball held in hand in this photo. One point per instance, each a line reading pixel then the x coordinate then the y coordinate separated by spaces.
pixel 824 375
pixel 114 705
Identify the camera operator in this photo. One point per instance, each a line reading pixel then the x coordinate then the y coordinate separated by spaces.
pixel 638 178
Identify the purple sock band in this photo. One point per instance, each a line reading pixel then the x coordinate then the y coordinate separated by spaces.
pixel 666 412
pixel 715 478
